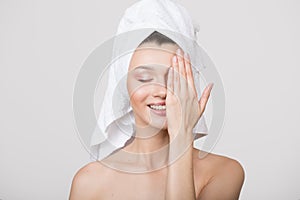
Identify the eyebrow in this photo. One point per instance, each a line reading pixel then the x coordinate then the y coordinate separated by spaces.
pixel 144 67
pixel 148 67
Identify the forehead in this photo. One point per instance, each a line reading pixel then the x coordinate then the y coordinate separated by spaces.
pixel 153 54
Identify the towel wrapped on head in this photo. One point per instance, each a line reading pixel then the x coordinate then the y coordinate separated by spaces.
pixel 116 121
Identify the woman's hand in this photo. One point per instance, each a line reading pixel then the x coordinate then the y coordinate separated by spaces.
pixel 182 106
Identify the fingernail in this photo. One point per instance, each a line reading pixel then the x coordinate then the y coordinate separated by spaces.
pixel 186 56
pixel 178 51
pixel 211 85
pixel 174 59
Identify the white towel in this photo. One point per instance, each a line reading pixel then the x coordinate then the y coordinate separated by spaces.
pixel 116 121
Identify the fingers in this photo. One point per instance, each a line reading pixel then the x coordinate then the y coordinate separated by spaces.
pixel 176 77
pixel 181 63
pixel 189 73
pixel 181 81
pixel 204 98
pixel 170 82
pixel 183 72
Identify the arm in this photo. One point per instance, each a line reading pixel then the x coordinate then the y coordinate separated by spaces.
pixel 226 184
pixel 180 179
pixel 183 111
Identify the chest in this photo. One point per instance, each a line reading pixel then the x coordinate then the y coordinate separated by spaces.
pixel 136 186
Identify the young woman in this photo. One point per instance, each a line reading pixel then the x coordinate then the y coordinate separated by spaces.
pixel 165 106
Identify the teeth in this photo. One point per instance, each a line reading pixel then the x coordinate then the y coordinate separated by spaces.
pixel 159 107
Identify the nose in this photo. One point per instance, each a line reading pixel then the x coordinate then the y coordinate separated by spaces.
pixel 160 90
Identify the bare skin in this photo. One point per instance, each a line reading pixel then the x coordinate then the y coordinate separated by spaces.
pixel 175 172
pixel 215 177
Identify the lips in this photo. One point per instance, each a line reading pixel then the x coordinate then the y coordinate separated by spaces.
pixel 158 108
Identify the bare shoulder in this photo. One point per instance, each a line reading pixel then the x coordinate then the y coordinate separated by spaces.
pixel 216 163
pixel 87 182
pixel 224 176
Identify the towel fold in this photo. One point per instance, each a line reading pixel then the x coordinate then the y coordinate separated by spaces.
pixel 116 120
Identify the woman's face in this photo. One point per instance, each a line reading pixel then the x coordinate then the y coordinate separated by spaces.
pixel 147 81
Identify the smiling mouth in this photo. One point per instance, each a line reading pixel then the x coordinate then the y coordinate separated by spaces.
pixel 157 107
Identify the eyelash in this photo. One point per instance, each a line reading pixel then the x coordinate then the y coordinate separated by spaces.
pixel 145 80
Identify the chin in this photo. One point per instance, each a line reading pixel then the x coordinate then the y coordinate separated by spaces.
pixel 159 125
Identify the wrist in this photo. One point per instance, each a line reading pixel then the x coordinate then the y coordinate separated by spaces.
pixel 179 144
pixel 176 152
pixel 185 134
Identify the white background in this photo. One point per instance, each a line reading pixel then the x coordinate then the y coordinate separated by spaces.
pixel 254 44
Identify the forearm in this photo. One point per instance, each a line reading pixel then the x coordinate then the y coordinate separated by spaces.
pixel 180 179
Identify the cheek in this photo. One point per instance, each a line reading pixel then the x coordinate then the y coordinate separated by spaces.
pixel 138 96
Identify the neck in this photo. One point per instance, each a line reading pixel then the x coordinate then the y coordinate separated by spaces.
pixel 149 147
pixel 148 140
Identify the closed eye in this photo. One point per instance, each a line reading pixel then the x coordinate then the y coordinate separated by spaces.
pixel 145 80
